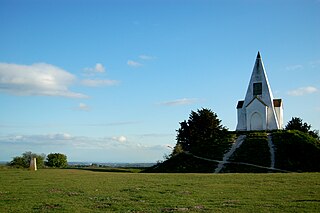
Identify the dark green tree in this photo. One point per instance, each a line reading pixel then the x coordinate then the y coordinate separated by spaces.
pixel 57 160
pixel 19 162
pixel 24 160
pixel 201 134
pixel 297 124
pixel 200 140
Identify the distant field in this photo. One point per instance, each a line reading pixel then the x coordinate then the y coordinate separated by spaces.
pixel 70 190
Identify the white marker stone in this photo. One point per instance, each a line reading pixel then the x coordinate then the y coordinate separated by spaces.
pixel 33 164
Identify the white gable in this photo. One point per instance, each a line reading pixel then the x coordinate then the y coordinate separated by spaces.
pixel 256 113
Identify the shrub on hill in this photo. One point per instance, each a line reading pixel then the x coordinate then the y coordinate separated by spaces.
pixel 296 151
pixel 297 124
pixel 202 135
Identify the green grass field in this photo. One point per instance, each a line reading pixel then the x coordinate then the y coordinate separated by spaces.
pixel 71 190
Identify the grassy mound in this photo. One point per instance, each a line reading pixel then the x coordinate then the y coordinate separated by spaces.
pixel 296 151
pixel 185 162
pixel 254 150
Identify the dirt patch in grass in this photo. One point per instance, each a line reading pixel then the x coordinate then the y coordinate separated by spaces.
pixel 63 192
pixel 184 209
pixel 45 207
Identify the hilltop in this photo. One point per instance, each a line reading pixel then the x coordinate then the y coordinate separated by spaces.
pixel 294 151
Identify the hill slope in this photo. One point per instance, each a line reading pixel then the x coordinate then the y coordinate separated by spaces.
pixel 294 151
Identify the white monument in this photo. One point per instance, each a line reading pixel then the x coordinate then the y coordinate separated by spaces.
pixel 33 164
pixel 259 111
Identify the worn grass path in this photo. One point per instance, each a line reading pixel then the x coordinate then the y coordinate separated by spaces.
pixel 67 190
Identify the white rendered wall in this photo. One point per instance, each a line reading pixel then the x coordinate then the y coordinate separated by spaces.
pixel 242 121
pixel 279 113
pixel 256 108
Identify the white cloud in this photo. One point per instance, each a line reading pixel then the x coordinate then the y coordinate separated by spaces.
pixel 39 79
pixel 311 64
pixel 183 101
pixel 143 57
pixel 99 82
pixel 120 139
pixel 59 136
pixel 146 57
pixel 98 68
pixel 314 64
pixel 65 139
pixel 82 148
pixel 294 67
pixel 37 139
pixel 303 91
pixel 82 107
pixel 132 63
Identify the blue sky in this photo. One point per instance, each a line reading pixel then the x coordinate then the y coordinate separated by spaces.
pixel 109 81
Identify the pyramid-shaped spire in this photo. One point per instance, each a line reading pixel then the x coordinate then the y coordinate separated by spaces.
pixel 259 93
pixel 258 55
pixel 258 76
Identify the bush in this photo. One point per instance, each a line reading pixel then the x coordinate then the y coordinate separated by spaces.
pixel 297 124
pixel 201 137
pixel 296 151
pixel 24 160
pixel 57 160
pixel 19 162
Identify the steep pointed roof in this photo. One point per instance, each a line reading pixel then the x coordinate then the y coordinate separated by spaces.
pixel 259 75
pixel 259 87
pixel 259 64
pixel 258 55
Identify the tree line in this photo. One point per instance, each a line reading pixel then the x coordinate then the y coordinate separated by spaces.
pixel 55 160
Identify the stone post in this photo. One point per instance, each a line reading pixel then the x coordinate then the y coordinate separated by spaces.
pixel 33 164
